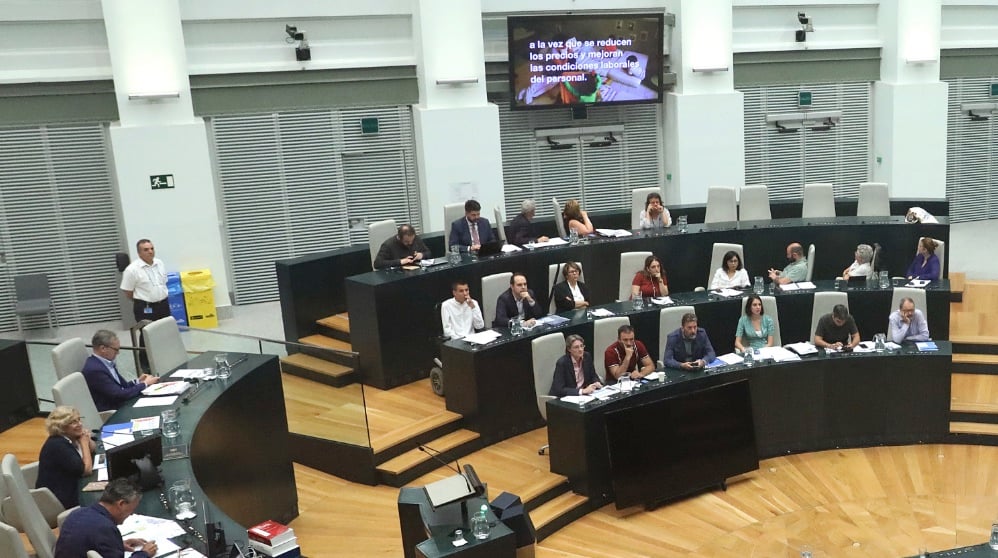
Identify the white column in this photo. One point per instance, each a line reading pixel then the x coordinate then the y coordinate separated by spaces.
pixel 162 137
pixel 457 130
pixel 909 101
pixel 705 145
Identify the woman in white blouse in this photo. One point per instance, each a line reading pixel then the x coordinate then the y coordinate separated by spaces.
pixel 730 274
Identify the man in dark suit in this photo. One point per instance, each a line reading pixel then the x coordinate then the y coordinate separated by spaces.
pixel 521 230
pixel 108 389
pixel 472 230
pixel 688 348
pixel 574 373
pixel 95 527
pixel 405 248
pixel 517 301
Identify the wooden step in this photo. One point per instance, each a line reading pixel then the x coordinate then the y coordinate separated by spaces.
pixel 326 343
pixel 973 393
pixel 318 370
pixel 957 282
pixel 414 463
pixel 414 430
pixel 339 322
pixel 557 513
pixel 973 428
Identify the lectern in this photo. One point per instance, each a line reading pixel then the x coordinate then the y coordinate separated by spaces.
pixel 428 532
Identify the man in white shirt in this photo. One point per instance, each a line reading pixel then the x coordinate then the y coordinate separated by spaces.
pixel 144 281
pixel 461 315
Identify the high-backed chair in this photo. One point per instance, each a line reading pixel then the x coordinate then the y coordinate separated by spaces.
pixel 46 502
pixel 544 353
pixel 69 356
pixel 93 554
pixel 500 223
pixel 819 201
pixel 33 296
pixel 377 233
pixel 670 319
pixel 638 197
pixel 630 263
pixel 492 287
pixel 604 334
pixel 10 542
pixel 823 304
pixel 717 258
pixel 164 346
pixel 918 295
pixel 874 200
pixel 73 391
pixel 770 309
pixel 452 212
pixel 554 276
pixel 940 253
pixel 810 262
pixel 754 204
pixel 559 221
pixel 722 205
pixel 39 533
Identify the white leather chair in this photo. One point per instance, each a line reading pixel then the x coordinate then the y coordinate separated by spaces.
pixel 918 295
pixel 377 233
pixel 73 391
pixel 770 309
pixel 492 287
pixel 722 205
pixel 754 204
pixel 544 353
pixel 164 346
pixel 823 304
pixel 452 212
pixel 630 263
pixel 717 255
pixel 605 334
pixel 555 276
pixel 46 502
pixel 670 319
pixel 559 220
pixel 10 542
pixel 874 200
pixel 500 223
pixel 638 197
pixel 940 253
pixel 819 201
pixel 39 533
pixel 69 356
pixel 93 554
pixel 810 261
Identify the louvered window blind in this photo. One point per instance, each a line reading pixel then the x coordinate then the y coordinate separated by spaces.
pixel 58 216
pixel 971 153
pixel 293 183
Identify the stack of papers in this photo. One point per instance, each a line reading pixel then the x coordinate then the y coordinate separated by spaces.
pixel 138 526
pixel 614 233
pixel 552 320
pixel 483 337
pixel 730 358
pixel 602 313
pixel 802 348
pixel 556 241
pixel 167 388
pixel 507 248
pixel 778 354
pixel 798 286
pixel 661 300
pixel 727 292
pixel 194 374
pixel 606 392
pixel 578 399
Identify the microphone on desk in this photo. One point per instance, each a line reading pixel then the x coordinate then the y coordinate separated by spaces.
pixel 436 455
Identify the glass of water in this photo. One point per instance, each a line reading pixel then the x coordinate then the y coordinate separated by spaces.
pixel 885 280
pixel 222 368
pixel 183 500
pixel 169 424
pixel 682 223
pixel 758 287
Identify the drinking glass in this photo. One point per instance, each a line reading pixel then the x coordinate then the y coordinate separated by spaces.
pixel 168 423
pixel 885 280
pixel 993 541
pixel 515 327
pixel 639 303
pixel 454 256
pixel 682 222
pixel 222 368
pixel 758 287
pixel 747 358
pixel 183 500
pixel 573 237
pixel 879 342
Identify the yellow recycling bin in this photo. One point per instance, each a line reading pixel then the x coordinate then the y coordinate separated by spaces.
pixel 199 297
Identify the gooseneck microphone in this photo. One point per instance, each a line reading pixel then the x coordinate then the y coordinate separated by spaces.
pixel 435 454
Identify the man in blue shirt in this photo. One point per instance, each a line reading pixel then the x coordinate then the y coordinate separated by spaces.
pixel 95 527
pixel 907 323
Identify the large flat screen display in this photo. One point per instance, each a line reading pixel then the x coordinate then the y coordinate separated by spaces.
pixel 672 447
pixel 573 60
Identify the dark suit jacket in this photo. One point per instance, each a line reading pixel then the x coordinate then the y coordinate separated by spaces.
pixel 460 234
pixel 91 528
pixel 564 375
pixel 675 349
pixel 521 231
pixel 506 309
pixel 392 251
pixel 562 295
pixel 108 394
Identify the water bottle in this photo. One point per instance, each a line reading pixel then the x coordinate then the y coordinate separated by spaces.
pixel 589 315
pixel 573 237
pixel 748 358
pixel 480 524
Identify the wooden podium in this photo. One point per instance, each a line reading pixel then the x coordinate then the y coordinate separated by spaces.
pixel 429 532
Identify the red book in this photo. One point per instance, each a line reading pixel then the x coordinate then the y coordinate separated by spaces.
pixel 271 533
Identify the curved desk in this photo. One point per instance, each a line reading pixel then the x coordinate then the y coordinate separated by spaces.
pixel 392 318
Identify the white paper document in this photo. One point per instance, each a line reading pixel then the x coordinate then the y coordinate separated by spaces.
pixel 727 292
pixel 802 348
pixel 145 423
pixel 661 300
pixel 578 399
pixel 602 313
pixel 606 392
pixel 730 358
pixel 155 401
pixel 194 374
pixel 552 320
pixel 806 285
pixel 614 233
pixel 167 388
pixel 778 354
pixel 556 241
pixel 507 248
pixel 115 440
pixel 483 337
pixel 654 376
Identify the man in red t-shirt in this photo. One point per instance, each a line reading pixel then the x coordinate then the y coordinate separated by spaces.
pixel 625 355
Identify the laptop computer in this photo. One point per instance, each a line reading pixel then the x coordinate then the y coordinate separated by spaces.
pixel 490 248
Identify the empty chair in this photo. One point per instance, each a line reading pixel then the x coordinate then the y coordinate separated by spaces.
pixel 874 200
pixel 638 197
pixel 810 262
pixel 722 205
pixel 452 212
pixel 492 287
pixel 69 356
pixel 555 276
pixel 73 391
pixel 754 204
pixel 917 295
pixel 33 297
pixel 46 502
pixel 544 353
pixel 819 201
pixel 164 346
pixel 823 304
pixel 630 263
pixel 500 224
pixel 39 533
pixel 10 543
pixel 717 258
pixel 559 221
pixel 377 233
pixel 604 334
pixel 770 309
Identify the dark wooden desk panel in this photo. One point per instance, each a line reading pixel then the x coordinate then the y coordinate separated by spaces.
pixel 18 400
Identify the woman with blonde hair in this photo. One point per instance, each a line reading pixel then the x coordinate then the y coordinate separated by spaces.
pixel 577 219
pixel 65 456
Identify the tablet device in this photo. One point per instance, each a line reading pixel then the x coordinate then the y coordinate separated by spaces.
pixel 490 248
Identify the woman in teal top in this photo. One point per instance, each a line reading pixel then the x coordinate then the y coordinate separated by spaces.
pixel 755 328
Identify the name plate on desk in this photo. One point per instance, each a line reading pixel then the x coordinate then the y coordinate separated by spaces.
pixel 178 451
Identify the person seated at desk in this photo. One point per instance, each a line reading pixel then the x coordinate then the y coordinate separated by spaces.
pixel 755 329
pixel 570 293
pixel 907 323
pixel 688 348
pixel 836 330
pixel 577 219
pixel 95 527
pixel 66 455
pixel 655 215
pixel 472 230
pixel 108 389
pixel 521 228
pixel 405 248
pixel 926 262
pixel 624 356
pixel 517 302
pixel 731 274
pixel 650 281
pixel 574 373
pixel 461 316
pixel 796 270
pixel 861 267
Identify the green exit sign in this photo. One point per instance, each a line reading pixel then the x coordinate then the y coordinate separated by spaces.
pixel 369 125
pixel 804 99
pixel 994 89
pixel 161 181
